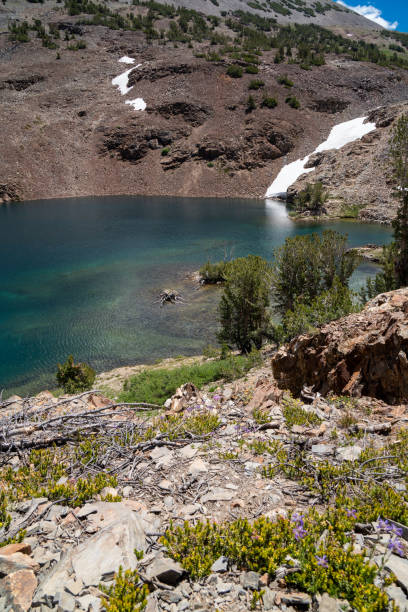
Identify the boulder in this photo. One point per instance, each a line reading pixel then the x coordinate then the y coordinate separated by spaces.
pixel 16 561
pixel 165 570
pixel 18 589
pixel 99 557
pixel 182 397
pixel 361 354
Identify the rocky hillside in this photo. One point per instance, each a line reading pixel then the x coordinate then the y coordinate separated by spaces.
pixel 224 109
pixel 325 13
pixel 306 498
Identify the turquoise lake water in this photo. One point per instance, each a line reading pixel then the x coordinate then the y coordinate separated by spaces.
pixel 81 276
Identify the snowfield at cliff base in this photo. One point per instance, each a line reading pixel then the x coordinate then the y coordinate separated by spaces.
pixel 340 135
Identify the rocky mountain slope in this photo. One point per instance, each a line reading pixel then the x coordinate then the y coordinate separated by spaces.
pixel 309 487
pixel 325 13
pixel 67 130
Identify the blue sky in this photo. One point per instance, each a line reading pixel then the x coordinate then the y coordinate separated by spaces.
pixel 391 14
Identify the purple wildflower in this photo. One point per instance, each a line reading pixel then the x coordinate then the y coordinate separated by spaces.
pixel 190 408
pixel 237 427
pixel 385 525
pixel 322 561
pixel 298 518
pixel 216 398
pixel 299 532
pixel 395 546
pixel 351 513
pixel 398 531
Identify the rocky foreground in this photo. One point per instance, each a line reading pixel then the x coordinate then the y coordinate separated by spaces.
pixel 79 508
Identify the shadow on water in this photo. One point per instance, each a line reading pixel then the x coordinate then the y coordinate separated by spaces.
pixel 81 276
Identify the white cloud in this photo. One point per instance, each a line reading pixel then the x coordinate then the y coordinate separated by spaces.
pixel 372 13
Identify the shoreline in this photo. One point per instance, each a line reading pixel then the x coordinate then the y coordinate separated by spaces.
pixel 303 217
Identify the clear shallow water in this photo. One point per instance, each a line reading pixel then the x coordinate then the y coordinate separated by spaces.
pixel 81 276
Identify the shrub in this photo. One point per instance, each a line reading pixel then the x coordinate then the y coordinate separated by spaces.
pixel 243 308
pixel 311 198
pixel 295 414
pixel 385 280
pixel 251 105
pixel 262 545
pixel 234 71
pixel 293 102
pixel 165 151
pixel 251 69
pixel 75 378
pixel 19 31
pixel 126 594
pixel 269 102
pixel 256 84
pixel 284 80
pixel 212 273
pixel 336 302
pixel 80 44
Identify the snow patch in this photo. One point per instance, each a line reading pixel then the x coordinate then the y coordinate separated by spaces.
pixel 138 104
pixel 127 60
pixel 340 135
pixel 121 82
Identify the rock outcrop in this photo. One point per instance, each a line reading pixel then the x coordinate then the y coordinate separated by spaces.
pixel 364 354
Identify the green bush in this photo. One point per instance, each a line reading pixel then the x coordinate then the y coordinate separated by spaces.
pixel 165 151
pixel 256 84
pixel 336 302
pixel 251 69
pixel 126 594
pixel 269 102
pixel 155 386
pixel 212 273
pixel 244 315
pixel 251 105
pixel 262 545
pixel 295 414
pixel 312 198
pixel 293 102
pixel 235 71
pixel 385 280
pixel 284 80
pixel 75 378
pixel 80 44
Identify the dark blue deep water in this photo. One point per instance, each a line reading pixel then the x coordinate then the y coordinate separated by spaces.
pixel 81 276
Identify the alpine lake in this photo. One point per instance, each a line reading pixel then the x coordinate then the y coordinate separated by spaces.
pixel 82 276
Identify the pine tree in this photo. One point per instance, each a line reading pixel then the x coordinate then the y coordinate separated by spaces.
pixel 243 308
pixel 399 156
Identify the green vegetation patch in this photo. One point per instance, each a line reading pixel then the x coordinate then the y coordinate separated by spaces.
pixel 314 543
pixel 155 386
pixel 295 414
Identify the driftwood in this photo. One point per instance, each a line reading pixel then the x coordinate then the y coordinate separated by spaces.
pixel 35 426
pixel 169 296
